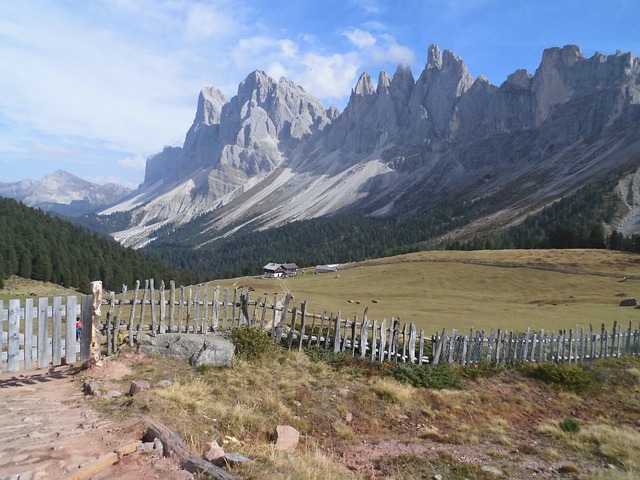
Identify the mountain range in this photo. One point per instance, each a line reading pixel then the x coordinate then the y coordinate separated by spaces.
pixel 273 154
pixel 64 194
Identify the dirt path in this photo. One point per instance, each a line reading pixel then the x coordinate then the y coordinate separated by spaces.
pixel 49 430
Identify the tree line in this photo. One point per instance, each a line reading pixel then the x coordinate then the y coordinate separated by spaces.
pixel 39 246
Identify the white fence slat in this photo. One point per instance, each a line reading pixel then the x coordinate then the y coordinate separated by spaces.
pixel 70 340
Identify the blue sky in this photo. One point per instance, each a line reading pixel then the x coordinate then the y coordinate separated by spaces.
pixel 94 87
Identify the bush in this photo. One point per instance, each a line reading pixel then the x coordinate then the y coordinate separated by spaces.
pixel 568 377
pixel 570 425
pixel 251 343
pixel 426 376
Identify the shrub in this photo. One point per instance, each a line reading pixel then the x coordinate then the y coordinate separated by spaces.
pixel 569 377
pixel 569 425
pixel 251 343
pixel 425 376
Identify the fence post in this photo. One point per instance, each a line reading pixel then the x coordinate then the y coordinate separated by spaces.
pixel 133 312
pixel 70 340
pixel 13 347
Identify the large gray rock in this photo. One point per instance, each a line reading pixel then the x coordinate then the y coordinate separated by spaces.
pixel 199 349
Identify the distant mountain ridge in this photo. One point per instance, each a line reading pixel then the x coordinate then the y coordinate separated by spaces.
pixel 64 193
pixel 274 154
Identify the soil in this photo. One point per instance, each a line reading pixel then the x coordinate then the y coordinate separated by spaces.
pixel 49 430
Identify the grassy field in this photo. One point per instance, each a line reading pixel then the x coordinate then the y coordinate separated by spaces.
pixel 439 290
pixel 512 289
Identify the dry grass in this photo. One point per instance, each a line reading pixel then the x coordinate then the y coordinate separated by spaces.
pixel 495 416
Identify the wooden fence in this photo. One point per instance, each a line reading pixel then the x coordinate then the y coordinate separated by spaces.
pixel 40 332
pixel 201 309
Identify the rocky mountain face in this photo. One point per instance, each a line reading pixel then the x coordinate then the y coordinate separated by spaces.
pixel 273 153
pixel 64 193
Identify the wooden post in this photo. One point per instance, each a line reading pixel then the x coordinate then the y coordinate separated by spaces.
pixel 383 340
pixel 205 319
pixel 154 318
pixel 196 311
pixel 283 317
pixel 96 302
pixel 56 340
pixel 336 335
pixel 132 315
pixel 216 307
pixel 116 327
pixel 110 321
pixel 374 340
pixel 233 308
pixel 225 312
pixel 172 306
pixel 163 308
pixel 303 311
pixel 143 307
pixel 43 323
pixel 420 361
pixel 294 316
pixel 181 309
pixel 70 340
pixel 13 347
pixel 28 333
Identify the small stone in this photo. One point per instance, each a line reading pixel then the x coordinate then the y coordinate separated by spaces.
pixel 286 437
pixel 495 471
pixel 297 403
pixel 348 417
pixel 164 384
pixel 231 459
pixel 113 394
pixel 92 388
pixel 437 477
pixel 212 452
pixel 568 467
pixel 138 386
pixel 158 446
pixel 344 392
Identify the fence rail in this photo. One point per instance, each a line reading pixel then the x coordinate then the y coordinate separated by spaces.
pixel 201 309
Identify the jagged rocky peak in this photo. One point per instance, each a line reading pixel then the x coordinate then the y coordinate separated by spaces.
pixel 364 85
pixel 210 103
pixel 520 78
pixel 434 57
pixel 384 83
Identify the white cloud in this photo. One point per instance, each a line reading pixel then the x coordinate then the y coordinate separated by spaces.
pixel 136 163
pixel 205 21
pixel 360 38
pixel 277 70
pixel 330 76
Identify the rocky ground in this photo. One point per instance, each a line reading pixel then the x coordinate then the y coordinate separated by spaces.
pixel 49 430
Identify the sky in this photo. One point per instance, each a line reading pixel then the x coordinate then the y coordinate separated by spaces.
pixel 94 87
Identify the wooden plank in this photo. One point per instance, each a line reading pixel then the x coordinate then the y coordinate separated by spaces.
pixel 327 337
pixel 421 353
pixel 2 348
pixel 233 308
pixel 412 343
pixel 374 341
pixel 283 317
pixel 172 306
pixel 364 337
pixel 404 343
pixel 28 334
pixel 181 309
pixel 323 318
pixel 71 340
pixel 189 311
pixel 263 316
pixel 311 331
pixel 336 334
pixel 196 311
pixel 303 312
pixel 43 333
pixel 13 340
pixel 383 340
pixel 163 308
pixel 439 347
pixel 132 315
pixel 292 328
pixel 143 307
pixel 216 308
pixel 225 311
pixel 154 313
pixel 87 327
pixel 354 332
pixel 243 316
pixel 116 328
pixel 56 344
pixel 109 322
pixel 205 318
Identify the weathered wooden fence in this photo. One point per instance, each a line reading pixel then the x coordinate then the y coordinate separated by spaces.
pixel 39 332
pixel 203 308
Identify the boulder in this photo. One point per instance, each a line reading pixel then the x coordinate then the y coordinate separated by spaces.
pixel 200 349
pixel 213 452
pixel 629 302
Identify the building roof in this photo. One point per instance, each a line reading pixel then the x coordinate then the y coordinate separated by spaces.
pixel 290 266
pixel 272 266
